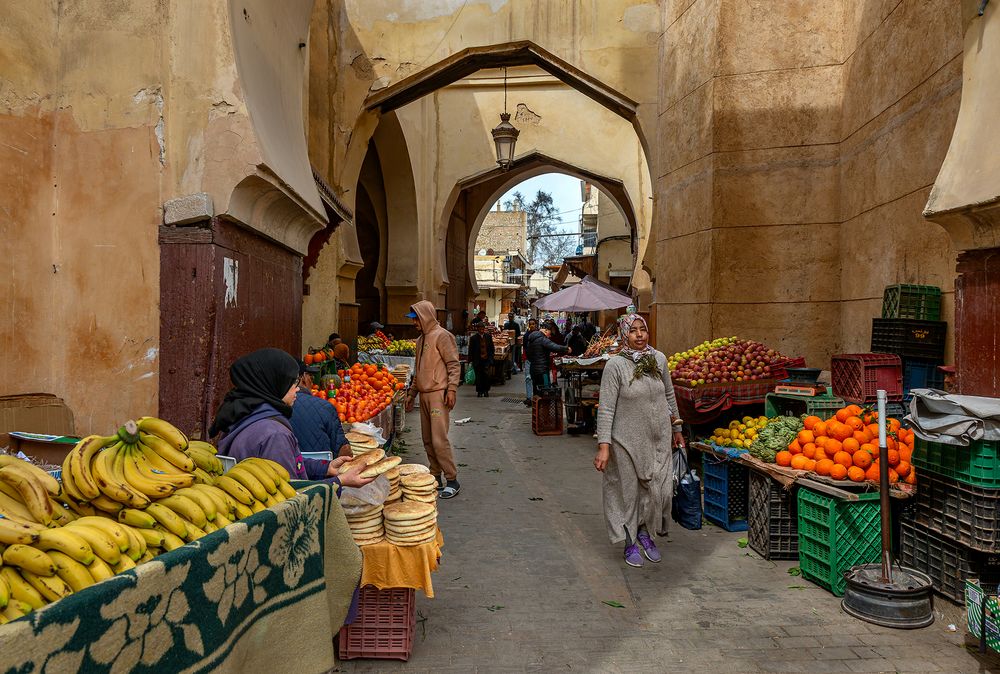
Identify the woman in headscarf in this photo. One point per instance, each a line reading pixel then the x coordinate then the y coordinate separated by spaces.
pixel 638 425
pixel 342 356
pixel 253 419
pixel 481 352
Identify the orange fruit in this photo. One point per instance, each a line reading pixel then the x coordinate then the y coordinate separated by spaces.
pixel 851 445
pixel 893 476
pixel 911 478
pixel 854 410
pixel 810 422
pixel 821 441
pixel 833 446
pixel 903 468
pixel 810 465
pixel 862 459
pixel 783 458
pixel 855 423
pixel 809 450
pixel 820 454
pixel 823 466
pixel 872 472
pixel 844 459
pixel 838 472
pixel 856 474
pixel 862 436
pixel 892 456
pixel 842 432
pixel 892 424
pixel 805 437
pixel 905 454
pixel 873 430
pixel 868 447
pixel 794 447
pixel 799 462
pixel 819 429
pixel 842 414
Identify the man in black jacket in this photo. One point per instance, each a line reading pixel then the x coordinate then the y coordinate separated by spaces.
pixel 481 351
pixel 511 324
pixel 576 341
pixel 539 345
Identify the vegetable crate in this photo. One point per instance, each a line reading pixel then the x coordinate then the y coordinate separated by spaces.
pixel 946 562
pixel 725 485
pixel 977 465
pixel 546 415
pixel 912 301
pixel 966 514
pixel 909 338
pixel 835 535
pixel 824 406
pixel 976 598
pixel 771 521
pixel 921 374
pixel 858 376
pixel 384 628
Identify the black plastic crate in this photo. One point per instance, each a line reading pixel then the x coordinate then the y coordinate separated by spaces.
pixel 947 562
pixel 964 513
pixel 725 485
pixel 909 338
pixel 906 300
pixel 772 525
pixel 921 374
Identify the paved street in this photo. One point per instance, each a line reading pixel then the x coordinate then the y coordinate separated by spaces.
pixel 527 568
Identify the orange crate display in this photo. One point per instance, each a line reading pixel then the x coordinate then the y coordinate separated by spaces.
pixel 387 620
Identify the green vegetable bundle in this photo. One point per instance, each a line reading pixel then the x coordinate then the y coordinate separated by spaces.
pixel 775 437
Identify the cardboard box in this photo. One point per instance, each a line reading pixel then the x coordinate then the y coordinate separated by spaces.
pixel 37 413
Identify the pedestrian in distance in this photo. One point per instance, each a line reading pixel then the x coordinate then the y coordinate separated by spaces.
pixel 253 419
pixel 481 352
pixel 435 379
pixel 315 421
pixel 512 324
pixel 539 347
pixel 636 442
pixel 576 341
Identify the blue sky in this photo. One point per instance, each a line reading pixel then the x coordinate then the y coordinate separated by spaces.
pixel 565 191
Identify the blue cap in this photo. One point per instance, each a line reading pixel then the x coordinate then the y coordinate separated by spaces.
pixel 412 314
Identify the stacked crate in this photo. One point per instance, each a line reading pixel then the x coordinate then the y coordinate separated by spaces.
pixel 953 532
pixel 910 327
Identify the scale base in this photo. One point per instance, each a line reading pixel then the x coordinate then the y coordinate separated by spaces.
pixel 906 603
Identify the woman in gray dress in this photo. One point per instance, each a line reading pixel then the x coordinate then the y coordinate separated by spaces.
pixel 637 427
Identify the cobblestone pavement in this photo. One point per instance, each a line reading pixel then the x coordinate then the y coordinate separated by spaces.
pixel 527 569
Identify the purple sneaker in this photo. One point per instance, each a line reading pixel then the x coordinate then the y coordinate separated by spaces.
pixel 648 548
pixel 632 556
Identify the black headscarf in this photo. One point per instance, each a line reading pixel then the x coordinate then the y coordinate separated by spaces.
pixel 260 377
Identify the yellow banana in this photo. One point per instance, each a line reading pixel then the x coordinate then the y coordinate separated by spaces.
pixel 78 507
pixel 49 483
pixel 193 532
pixel 33 494
pixel 72 572
pixel 157 462
pixel 242 510
pixel 222 521
pixel 186 508
pixel 210 527
pixel 107 505
pixel 52 588
pixel 287 490
pixel 117 464
pixel 167 518
pixel 202 445
pixel 66 541
pixel 204 501
pixel 279 497
pixel 147 556
pixel 203 459
pixel 110 484
pixel 4 593
pixel 99 570
pixel 125 564
pixel 222 500
pixel 201 477
pixel 137 544
pixel 15 509
pixel 163 429
pixel 20 590
pixel 27 557
pixel 68 479
pixel 270 501
pixel 85 451
pixel 141 519
pixel 154 466
pixel 251 483
pixel 171 541
pixel 153 488
pixel 235 489
pixel 103 545
pixel 12 532
pixel 257 506
pixel 168 452
pixel 61 514
pixel 17 609
pixel 114 530
pixel 275 467
pixel 154 537
pixel 262 474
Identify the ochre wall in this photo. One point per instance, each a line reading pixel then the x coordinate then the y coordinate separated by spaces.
pixel 797 146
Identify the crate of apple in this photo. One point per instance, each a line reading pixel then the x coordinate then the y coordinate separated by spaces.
pixel 726 360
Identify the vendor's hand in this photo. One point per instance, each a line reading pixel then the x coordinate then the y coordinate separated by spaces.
pixel 569 351
pixel 335 465
pixel 409 404
pixel 352 478
pixel 449 399
pixel 603 456
pixel 678 440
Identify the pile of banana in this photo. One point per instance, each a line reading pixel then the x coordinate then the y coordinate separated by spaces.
pixel 122 500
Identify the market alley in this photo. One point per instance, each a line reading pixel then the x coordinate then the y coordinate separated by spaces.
pixel 529 582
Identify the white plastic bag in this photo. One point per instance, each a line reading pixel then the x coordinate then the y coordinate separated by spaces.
pixel 368 429
pixel 358 499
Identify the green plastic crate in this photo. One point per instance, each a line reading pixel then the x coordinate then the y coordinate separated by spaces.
pixel 978 464
pixel 905 300
pixel 974 596
pixel 835 535
pixel 783 405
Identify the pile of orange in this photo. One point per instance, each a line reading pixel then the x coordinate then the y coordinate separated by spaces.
pixel 366 390
pixel 315 357
pixel 846 447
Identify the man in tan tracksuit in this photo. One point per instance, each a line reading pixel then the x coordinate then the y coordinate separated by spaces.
pixel 436 380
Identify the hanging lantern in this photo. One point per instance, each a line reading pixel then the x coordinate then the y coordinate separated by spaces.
pixel 505 134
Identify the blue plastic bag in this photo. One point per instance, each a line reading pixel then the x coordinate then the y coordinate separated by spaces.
pixel 686 506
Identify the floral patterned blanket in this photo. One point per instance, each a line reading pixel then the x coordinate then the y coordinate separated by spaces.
pixel 265 594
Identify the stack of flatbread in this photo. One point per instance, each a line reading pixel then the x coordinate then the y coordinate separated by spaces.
pixel 401 373
pixel 410 523
pixel 361 443
pixel 412 468
pixel 373 463
pixel 366 525
pixel 395 493
pixel 419 487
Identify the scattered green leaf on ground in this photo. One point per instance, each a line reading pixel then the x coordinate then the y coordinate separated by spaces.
pixel 742 542
pixel 796 587
pixel 613 604
pixel 795 571
pixel 463 465
pixel 495 470
pixel 493 608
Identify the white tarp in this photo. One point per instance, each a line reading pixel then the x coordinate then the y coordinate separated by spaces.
pixel 954 419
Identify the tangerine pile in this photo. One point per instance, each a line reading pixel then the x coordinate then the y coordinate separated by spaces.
pixel 845 447
pixel 366 390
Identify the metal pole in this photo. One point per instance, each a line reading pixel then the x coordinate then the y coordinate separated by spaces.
pixel 884 505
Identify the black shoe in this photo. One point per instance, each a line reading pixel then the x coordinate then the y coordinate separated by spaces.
pixel 486 395
pixel 450 490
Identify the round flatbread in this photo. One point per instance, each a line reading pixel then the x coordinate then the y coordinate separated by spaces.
pixel 375 529
pixel 361 519
pixel 429 489
pixel 420 498
pixel 373 541
pixel 430 520
pixel 408 510
pixel 360 439
pixel 382 466
pixel 392 474
pixel 412 544
pixel 362 460
pixel 369 509
pixel 427 527
pixel 413 469
pixel 418 480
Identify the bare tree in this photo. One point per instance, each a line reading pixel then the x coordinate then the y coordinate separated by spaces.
pixel 542 217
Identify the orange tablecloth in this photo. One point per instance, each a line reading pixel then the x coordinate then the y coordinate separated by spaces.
pixel 388 565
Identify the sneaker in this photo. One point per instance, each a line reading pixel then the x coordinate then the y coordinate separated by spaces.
pixel 632 556
pixel 648 548
pixel 450 490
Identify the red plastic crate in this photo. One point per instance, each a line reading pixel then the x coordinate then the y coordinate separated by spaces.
pixel 546 415
pixel 858 376
pixel 387 620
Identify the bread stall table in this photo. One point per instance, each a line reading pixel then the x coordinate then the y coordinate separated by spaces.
pixel 256 595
